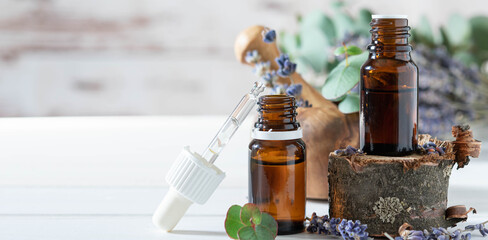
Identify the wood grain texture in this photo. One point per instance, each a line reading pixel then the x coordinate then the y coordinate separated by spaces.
pixel 102 177
pixel 131 57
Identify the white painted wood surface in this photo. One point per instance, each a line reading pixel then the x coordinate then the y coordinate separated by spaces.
pixel 102 177
pixel 146 57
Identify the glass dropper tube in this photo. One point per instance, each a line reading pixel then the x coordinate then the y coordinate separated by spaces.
pixel 232 123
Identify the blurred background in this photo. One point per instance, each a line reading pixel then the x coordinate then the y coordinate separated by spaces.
pixel 153 57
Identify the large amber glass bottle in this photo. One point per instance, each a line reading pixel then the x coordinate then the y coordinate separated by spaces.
pixel 277 170
pixel 389 90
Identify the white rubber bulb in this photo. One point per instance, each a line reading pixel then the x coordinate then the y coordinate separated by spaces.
pixel 171 210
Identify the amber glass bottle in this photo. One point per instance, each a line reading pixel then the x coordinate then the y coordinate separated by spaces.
pixel 389 90
pixel 277 170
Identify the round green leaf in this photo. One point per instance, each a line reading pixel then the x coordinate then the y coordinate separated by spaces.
pixel 423 33
pixel 339 98
pixel 250 212
pixel 344 24
pixel 458 31
pixel 259 233
pixel 362 22
pixel 465 57
pixel 264 233
pixel 289 43
pixel 314 47
pixel 479 28
pixel 350 104
pixel 233 221
pixel 353 50
pixel 318 20
pixel 343 78
pixel 247 233
pixel 303 65
pixel 339 51
pixel 269 222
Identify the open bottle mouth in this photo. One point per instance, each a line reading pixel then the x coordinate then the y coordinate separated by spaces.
pixel 389 33
pixel 277 112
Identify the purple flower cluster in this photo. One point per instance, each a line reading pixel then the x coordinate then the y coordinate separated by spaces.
pixel 443 234
pixel 347 229
pixel 294 90
pixel 252 56
pixel 287 67
pixel 270 77
pixel 269 36
pixel 480 227
pixel 353 230
pixel 432 148
pixel 348 151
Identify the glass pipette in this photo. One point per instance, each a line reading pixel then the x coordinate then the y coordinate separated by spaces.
pixel 232 123
pixel 194 178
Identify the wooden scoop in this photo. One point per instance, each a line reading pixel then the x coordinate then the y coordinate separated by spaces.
pixel 325 128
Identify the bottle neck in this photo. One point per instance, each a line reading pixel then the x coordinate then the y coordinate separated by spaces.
pixel 277 113
pixel 389 38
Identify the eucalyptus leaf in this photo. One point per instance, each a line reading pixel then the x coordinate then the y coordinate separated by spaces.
pixel 362 22
pixel 423 33
pixel 479 28
pixel 314 48
pixel 318 20
pixel 339 99
pixel 344 24
pixel 353 50
pixel 233 221
pixel 343 78
pixel 289 43
pixel 350 104
pixel 303 65
pixel 458 31
pixel 465 57
pixel 337 5
pixel 339 51
pixel 250 214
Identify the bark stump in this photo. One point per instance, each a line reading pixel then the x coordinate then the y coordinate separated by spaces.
pixel 385 192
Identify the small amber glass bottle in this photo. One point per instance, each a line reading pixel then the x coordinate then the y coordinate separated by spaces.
pixel 389 90
pixel 277 171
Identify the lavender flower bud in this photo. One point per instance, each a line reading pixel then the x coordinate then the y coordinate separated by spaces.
pixel 466 236
pixel 294 90
pixel 262 68
pixel 269 77
pixel 252 56
pixel 286 66
pixel 269 36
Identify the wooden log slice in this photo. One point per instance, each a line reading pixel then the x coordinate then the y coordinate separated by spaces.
pixel 385 192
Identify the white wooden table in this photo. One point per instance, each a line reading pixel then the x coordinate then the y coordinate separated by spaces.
pixel 102 177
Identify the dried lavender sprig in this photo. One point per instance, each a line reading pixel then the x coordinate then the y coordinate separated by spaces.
pixel 348 151
pixel 269 36
pixel 442 233
pixel 347 229
pixel 269 77
pixel 431 148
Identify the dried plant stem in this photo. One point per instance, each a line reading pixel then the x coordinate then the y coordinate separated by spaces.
pixel 388 236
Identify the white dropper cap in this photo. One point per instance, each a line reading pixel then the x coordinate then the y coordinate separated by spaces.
pixel 191 179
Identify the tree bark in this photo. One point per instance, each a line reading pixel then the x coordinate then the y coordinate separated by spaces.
pixel 385 192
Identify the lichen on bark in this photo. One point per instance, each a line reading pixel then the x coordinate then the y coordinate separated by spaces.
pixel 388 208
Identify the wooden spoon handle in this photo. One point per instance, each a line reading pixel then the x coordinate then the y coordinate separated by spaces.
pixel 251 39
